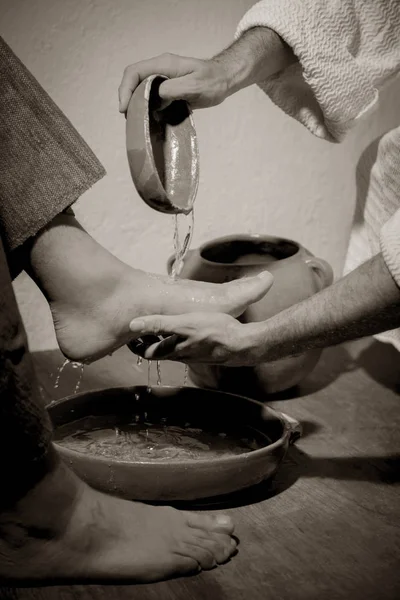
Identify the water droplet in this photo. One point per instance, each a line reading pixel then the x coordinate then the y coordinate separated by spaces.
pixel 139 361
pixel 80 376
pixel 158 372
pixel 59 371
pixel 186 375
pixel 149 377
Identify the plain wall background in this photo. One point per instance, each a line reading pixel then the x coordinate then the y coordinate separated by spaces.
pixel 261 171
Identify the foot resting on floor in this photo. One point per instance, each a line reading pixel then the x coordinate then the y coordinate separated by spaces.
pixel 63 531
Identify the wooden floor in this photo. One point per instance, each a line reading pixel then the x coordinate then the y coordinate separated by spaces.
pixel 328 526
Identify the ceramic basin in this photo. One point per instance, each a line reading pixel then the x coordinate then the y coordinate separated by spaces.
pixel 162 480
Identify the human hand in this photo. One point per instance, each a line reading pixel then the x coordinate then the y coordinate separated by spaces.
pixel 202 83
pixel 197 338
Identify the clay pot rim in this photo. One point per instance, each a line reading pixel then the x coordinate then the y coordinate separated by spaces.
pixel 244 237
pixel 288 432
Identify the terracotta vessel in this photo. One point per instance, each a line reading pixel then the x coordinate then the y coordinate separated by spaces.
pixel 162 149
pixel 169 480
pixel 297 275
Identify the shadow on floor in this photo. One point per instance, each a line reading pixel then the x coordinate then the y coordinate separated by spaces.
pixel 298 464
pixel 333 362
pixel 382 363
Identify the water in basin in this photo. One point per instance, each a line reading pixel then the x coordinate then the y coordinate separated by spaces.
pixel 143 441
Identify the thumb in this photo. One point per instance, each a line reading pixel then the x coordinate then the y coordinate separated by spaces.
pixel 179 88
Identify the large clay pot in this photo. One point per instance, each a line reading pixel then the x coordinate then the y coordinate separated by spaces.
pixel 297 275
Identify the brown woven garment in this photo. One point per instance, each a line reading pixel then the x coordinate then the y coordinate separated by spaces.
pixel 45 165
pixel 25 428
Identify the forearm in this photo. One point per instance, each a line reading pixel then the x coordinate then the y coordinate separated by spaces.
pixel 346 52
pixel 257 55
pixel 365 302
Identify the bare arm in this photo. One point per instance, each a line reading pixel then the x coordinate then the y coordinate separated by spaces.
pixel 255 56
pixel 365 302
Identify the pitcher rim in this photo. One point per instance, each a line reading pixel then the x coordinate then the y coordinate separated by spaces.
pixel 244 237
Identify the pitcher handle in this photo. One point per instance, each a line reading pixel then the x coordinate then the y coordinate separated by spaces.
pixel 322 269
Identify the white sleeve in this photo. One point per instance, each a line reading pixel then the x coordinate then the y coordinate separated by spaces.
pixel 390 245
pixel 347 50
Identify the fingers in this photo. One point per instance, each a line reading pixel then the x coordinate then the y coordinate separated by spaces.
pixel 180 88
pixel 166 349
pixel 169 65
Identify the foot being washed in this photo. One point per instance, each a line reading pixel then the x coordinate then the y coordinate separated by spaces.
pixel 93 296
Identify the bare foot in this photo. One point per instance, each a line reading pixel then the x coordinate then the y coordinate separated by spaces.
pixel 91 324
pixel 93 296
pixel 62 531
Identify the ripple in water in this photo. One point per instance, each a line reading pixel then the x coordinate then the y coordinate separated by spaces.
pixel 141 441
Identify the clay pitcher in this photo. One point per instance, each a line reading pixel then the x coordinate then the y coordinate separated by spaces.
pixel 297 275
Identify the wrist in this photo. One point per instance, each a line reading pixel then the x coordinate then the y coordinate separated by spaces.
pixel 258 54
pixel 256 343
pixel 273 339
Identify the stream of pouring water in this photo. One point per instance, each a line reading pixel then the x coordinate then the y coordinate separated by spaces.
pixel 75 365
pixel 149 376
pixel 59 371
pixel 81 368
pixel 158 372
pixel 180 251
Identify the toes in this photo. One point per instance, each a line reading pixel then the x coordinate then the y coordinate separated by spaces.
pixel 215 523
pixel 246 291
pixel 197 551
pixel 221 546
pixel 183 564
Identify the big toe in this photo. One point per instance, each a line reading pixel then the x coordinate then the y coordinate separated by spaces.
pixel 248 290
pixel 214 523
pixel 220 545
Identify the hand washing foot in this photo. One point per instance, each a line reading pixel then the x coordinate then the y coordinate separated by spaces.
pixel 63 531
pixel 93 296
